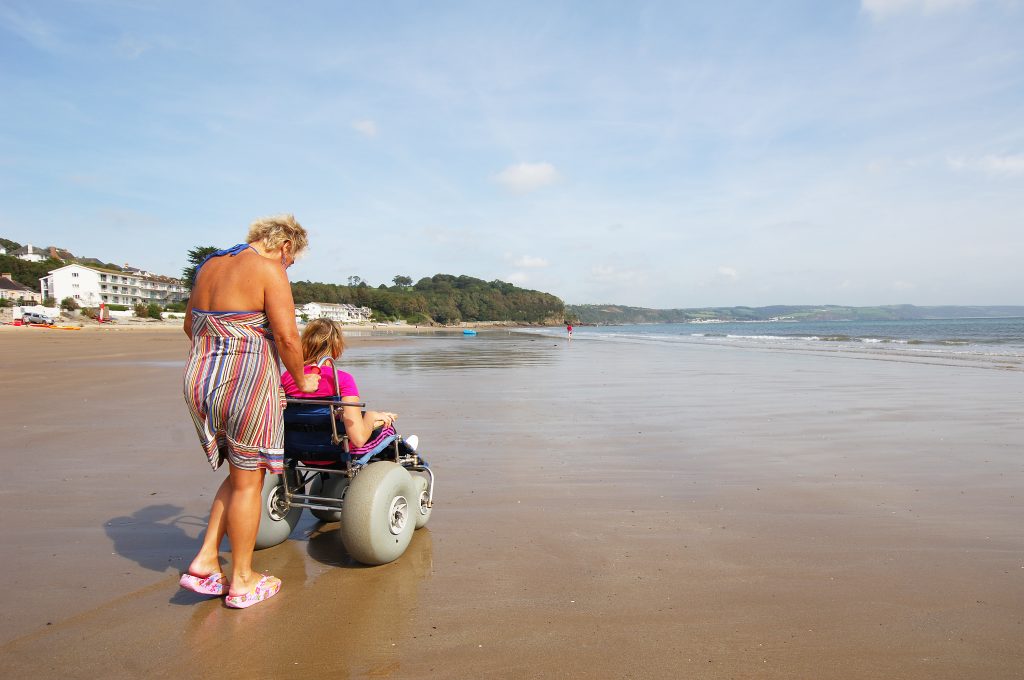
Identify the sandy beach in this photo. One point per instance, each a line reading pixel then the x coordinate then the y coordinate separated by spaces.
pixel 602 511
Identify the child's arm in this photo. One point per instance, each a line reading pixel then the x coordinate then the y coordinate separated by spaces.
pixel 358 425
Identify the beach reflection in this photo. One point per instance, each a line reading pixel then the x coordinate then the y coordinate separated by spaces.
pixel 332 614
pixel 458 354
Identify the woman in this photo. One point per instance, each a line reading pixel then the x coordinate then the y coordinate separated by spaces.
pixel 232 388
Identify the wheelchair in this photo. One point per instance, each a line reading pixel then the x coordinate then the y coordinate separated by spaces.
pixel 380 496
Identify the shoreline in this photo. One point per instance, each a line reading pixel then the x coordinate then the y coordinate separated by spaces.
pixel 177 325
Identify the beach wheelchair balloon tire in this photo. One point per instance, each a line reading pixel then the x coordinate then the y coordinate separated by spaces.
pixel 277 517
pixel 380 513
pixel 423 507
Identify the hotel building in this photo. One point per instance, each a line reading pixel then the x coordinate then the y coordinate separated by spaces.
pixel 89 286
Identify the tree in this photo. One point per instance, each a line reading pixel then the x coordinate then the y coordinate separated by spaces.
pixel 68 304
pixel 28 273
pixel 354 281
pixel 402 281
pixel 195 258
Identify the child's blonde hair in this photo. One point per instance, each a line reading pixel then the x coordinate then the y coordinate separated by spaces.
pixel 322 338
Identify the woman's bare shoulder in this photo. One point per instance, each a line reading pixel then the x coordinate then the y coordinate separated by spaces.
pixel 260 271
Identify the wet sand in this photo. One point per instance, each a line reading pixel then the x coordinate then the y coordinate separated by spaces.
pixel 603 511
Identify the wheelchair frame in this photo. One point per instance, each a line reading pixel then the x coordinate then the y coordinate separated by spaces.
pixel 298 475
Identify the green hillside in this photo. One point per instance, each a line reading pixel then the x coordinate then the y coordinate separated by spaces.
pixel 442 298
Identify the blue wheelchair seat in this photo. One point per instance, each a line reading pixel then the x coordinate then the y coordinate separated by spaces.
pixel 307 434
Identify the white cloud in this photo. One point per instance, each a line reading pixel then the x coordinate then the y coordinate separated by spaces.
pixel 365 127
pixel 609 274
pixel 729 272
pixel 881 9
pixel 522 178
pixel 530 262
pixel 30 28
pixel 132 47
pixel 991 164
pixel 518 278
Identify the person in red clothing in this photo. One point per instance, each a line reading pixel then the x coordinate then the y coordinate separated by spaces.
pixel 568 328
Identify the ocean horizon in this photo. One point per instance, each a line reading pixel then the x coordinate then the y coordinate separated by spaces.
pixel 996 341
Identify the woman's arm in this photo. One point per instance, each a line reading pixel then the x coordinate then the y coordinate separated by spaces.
pixel 280 310
pixel 358 425
pixel 188 318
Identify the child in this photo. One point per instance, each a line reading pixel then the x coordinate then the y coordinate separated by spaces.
pixel 321 339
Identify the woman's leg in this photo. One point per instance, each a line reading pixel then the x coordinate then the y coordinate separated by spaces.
pixel 207 561
pixel 243 521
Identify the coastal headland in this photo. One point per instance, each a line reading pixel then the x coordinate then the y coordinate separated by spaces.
pixel 604 510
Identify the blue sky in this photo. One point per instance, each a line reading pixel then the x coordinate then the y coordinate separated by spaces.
pixel 660 154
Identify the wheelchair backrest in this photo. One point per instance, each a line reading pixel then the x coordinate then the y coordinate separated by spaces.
pixel 307 431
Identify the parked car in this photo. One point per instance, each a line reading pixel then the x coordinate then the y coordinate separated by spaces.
pixel 35 317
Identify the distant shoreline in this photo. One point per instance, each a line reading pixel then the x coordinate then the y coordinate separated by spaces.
pixel 622 314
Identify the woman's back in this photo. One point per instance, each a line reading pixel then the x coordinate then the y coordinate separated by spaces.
pixel 234 283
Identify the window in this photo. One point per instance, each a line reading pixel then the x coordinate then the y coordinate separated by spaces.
pixel 74 274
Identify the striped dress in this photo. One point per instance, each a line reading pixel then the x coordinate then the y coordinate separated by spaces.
pixel 233 390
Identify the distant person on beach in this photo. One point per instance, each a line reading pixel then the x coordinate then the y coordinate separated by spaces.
pixel 322 339
pixel 568 329
pixel 233 390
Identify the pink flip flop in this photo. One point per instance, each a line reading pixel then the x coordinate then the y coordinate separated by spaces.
pixel 204 585
pixel 267 587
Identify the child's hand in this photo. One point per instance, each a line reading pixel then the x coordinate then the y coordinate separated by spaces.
pixel 383 418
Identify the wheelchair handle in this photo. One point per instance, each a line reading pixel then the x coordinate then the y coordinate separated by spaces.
pixel 337 385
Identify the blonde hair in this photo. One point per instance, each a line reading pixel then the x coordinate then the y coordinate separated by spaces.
pixel 273 231
pixel 320 339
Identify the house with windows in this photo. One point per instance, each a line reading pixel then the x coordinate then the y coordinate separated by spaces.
pixel 335 312
pixel 12 290
pixel 90 286
pixel 30 253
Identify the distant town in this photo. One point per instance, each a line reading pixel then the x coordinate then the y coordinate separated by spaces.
pixel 68 283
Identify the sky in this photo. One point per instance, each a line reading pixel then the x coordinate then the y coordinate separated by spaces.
pixel 656 154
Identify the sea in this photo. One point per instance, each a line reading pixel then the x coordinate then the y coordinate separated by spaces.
pixel 986 342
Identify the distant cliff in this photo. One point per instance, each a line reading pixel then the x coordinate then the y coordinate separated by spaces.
pixel 620 314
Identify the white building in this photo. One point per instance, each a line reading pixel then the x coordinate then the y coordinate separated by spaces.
pixel 90 286
pixel 30 253
pixel 12 290
pixel 340 313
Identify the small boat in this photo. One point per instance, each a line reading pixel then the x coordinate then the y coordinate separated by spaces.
pixel 468 331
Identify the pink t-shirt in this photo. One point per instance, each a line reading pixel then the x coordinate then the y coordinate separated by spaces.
pixel 326 389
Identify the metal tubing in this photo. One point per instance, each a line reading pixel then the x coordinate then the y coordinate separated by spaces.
pixel 324 402
pixel 430 486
